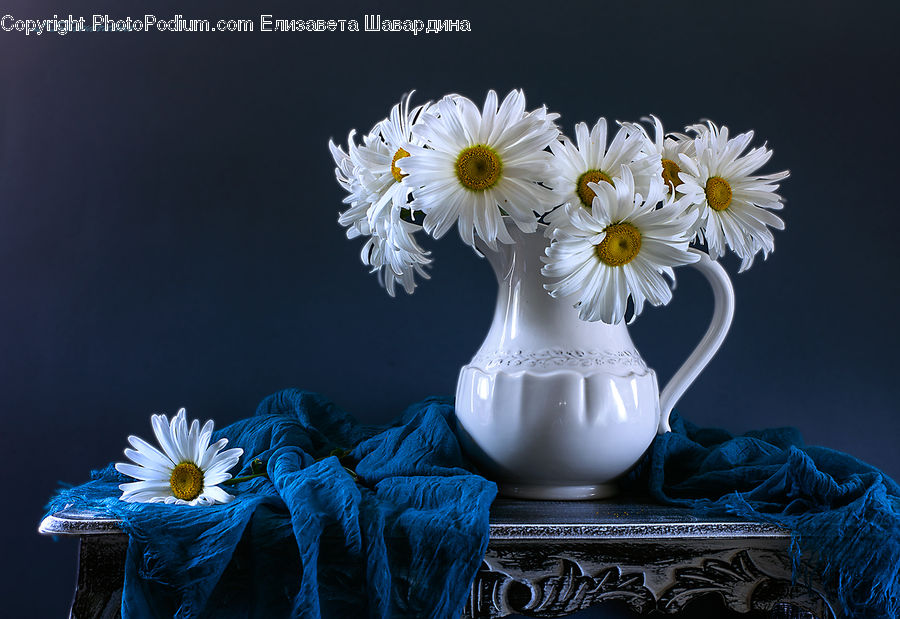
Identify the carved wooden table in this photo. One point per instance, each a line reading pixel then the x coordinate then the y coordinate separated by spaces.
pixel 548 559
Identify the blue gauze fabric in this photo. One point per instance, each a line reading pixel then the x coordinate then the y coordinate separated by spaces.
pixel 408 540
pixel 844 514
pixel 310 541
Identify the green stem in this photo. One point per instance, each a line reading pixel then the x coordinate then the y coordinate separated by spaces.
pixel 237 480
pixel 259 468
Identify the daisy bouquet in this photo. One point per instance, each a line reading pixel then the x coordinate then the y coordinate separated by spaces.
pixel 622 204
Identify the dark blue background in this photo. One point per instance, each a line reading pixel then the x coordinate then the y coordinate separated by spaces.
pixel 168 230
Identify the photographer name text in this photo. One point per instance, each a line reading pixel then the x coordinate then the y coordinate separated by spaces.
pixel 264 23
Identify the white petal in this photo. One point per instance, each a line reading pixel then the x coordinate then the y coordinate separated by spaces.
pixel 142 473
pixel 217 495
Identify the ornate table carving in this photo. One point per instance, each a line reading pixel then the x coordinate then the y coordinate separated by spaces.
pixel 549 559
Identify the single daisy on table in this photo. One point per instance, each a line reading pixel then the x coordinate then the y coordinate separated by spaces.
pixel 731 201
pixel 474 166
pixel 186 471
pixel 379 198
pixel 588 161
pixel 619 248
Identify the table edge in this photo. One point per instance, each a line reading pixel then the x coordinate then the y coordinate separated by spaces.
pixel 55 524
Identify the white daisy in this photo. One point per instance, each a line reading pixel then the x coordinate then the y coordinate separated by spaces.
pixel 355 219
pixel 620 247
pixel 379 198
pixel 475 166
pixel 668 147
pixel 588 160
pixel 395 256
pixel 719 183
pixel 376 163
pixel 185 472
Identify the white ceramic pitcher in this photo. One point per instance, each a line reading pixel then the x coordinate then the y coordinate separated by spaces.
pixel 552 407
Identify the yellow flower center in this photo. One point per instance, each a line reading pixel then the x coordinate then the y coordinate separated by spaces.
pixel 478 167
pixel 718 193
pixel 585 193
pixel 395 171
pixel 670 173
pixel 186 481
pixel 620 245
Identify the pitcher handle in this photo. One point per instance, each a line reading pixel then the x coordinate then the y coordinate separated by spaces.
pixel 723 312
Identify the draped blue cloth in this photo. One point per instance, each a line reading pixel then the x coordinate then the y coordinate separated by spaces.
pixel 844 514
pixel 406 539
pixel 310 541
